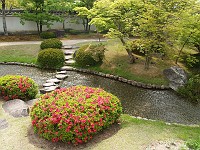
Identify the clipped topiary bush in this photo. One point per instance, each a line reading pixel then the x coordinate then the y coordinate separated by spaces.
pixel 90 55
pixel 51 58
pixel 51 43
pixel 74 114
pixel 47 35
pixel 17 87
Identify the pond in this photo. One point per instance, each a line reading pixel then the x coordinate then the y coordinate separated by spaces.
pixel 162 105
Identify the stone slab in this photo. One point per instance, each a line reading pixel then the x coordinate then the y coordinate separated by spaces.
pixel 67 47
pixel 48 89
pixel 16 108
pixel 54 80
pixel 68 57
pixel 70 61
pixel 62 72
pixel 49 84
pixel 69 52
pixel 67 68
pixel 3 124
pixel 61 76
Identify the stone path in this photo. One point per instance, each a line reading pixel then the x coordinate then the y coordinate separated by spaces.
pixel 54 83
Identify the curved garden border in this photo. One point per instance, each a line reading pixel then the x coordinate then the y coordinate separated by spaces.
pixel 110 76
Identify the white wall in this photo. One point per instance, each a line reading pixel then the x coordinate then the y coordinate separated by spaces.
pixel 14 25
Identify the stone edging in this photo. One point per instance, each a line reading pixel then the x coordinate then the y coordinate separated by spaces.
pixel 117 78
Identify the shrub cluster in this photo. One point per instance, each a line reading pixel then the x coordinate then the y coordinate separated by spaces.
pixel 74 114
pixel 51 43
pixel 51 58
pixel 17 87
pixel 192 89
pixel 47 35
pixel 90 55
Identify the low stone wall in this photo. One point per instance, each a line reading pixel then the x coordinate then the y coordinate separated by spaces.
pixel 110 76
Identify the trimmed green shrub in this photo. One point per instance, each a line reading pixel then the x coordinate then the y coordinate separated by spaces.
pixel 51 43
pixel 90 55
pixel 51 58
pixel 192 89
pixel 74 114
pixel 47 35
pixel 17 87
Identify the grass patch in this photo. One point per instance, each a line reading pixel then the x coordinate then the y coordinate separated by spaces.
pixel 19 53
pixel 117 62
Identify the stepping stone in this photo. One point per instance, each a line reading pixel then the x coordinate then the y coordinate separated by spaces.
pixel 68 57
pixel 67 68
pixel 16 108
pixel 55 80
pixel 70 61
pixel 61 76
pixel 32 102
pixel 67 47
pixel 75 47
pixel 49 84
pixel 3 124
pixel 69 52
pixel 48 89
pixel 62 72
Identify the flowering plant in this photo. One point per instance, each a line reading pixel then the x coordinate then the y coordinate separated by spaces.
pixel 74 114
pixel 17 87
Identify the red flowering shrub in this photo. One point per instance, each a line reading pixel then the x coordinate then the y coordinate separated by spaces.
pixel 74 114
pixel 17 87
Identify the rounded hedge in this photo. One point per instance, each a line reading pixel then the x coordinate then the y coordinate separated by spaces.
pixel 47 35
pixel 51 43
pixel 51 58
pixel 90 55
pixel 17 87
pixel 74 114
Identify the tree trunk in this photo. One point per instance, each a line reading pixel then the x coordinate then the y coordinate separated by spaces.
pixel 4 17
pixel 130 55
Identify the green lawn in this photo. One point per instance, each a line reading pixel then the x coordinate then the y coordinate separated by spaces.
pixel 19 53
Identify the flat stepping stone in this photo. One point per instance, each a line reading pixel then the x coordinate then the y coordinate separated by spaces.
pixel 16 108
pixel 3 124
pixel 66 68
pixel 55 80
pixel 67 47
pixel 62 72
pixel 68 57
pixel 75 47
pixel 69 52
pixel 48 89
pixel 49 84
pixel 70 61
pixel 30 103
pixel 61 76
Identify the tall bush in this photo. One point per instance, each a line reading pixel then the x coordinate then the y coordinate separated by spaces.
pixel 51 43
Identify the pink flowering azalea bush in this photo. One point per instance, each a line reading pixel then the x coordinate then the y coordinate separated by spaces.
pixel 17 87
pixel 74 114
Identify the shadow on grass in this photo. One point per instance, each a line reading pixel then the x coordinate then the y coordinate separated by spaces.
pixel 39 142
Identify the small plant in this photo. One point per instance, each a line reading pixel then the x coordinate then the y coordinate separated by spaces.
pixel 47 35
pixel 17 87
pixel 90 55
pixel 192 89
pixel 193 144
pixel 51 58
pixel 51 43
pixel 74 114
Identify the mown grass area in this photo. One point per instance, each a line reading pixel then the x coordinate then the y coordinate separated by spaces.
pixel 117 62
pixel 19 53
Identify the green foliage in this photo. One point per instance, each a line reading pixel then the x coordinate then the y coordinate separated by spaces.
pixel 90 55
pixel 74 114
pixel 136 46
pixel 193 144
pixel 51 58
pixel 51 43
pixel 47 35
pixel 190 60
pixel 17 87
pixel 192 89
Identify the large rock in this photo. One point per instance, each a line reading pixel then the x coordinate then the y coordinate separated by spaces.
pixel 16 108
pixel 177 77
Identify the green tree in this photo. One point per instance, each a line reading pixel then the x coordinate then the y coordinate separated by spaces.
pixel 88 4
pixel 117 16
pixel 40 11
